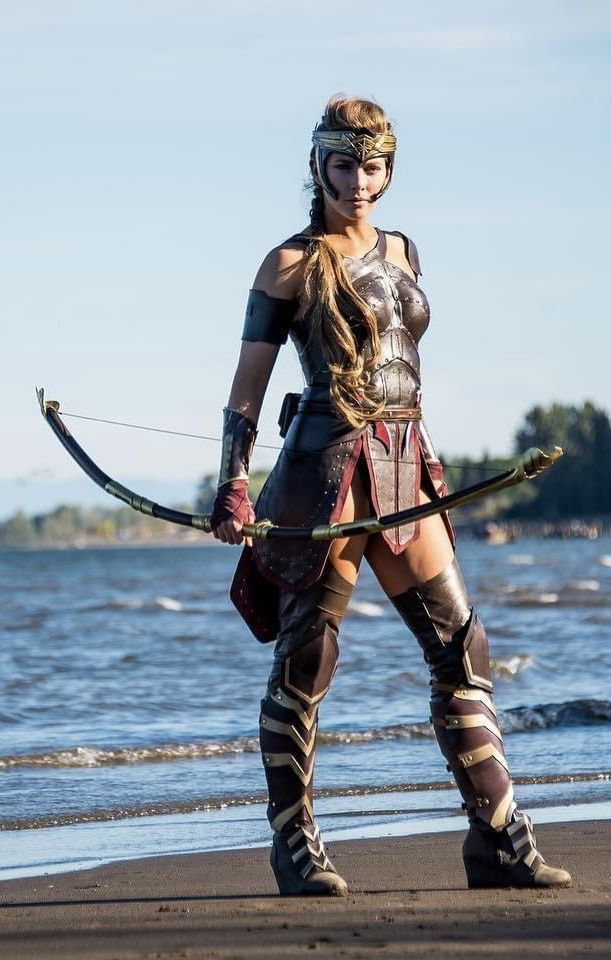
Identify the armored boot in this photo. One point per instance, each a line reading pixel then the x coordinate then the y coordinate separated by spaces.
pixel 500 847
pixel 305 659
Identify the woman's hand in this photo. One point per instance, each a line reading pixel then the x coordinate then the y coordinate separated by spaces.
pixel 231 510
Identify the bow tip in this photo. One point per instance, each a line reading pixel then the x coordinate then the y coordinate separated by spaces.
pixel 46 405
pixel 535 460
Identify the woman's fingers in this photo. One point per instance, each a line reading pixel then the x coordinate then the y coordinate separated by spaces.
pixel 229 531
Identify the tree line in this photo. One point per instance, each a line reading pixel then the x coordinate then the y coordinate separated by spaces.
pixel 577 486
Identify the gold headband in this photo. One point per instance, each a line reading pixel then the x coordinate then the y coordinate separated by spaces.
pixel 363 145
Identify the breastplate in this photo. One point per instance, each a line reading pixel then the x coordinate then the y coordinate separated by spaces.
pixel 402 314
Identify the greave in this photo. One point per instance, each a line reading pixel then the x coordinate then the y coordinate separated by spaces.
pixel 462 709
pixel 305 659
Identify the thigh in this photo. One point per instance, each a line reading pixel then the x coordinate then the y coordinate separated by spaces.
pixel 346 554
pixel 421 560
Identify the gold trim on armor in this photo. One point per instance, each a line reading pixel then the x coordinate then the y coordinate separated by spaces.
pixel 288 760
pixel 504 809
pixel 472 676
pixel 363 146
pixel 276 726
pixel 240 476
pixel 297 708
pixel 472 720
pixel 464 693
pixel 402 413
pixel 472 757
pixel 310 700
pixel 283 818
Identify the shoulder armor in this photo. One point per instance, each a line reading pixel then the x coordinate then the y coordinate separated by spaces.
pixel 268 319
pixel 411 252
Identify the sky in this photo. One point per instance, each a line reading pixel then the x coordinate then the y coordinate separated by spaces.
pixel 153 152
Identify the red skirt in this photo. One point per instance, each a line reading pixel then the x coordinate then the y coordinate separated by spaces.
pixel 308 486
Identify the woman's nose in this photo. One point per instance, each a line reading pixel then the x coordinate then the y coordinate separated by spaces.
pixel 359 178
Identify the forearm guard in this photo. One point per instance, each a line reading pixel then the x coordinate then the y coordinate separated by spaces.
pixel 239 435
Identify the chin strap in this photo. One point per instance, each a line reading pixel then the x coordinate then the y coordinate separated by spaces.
pixel 529 465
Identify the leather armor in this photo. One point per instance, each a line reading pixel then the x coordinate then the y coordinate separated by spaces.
pixel 312 475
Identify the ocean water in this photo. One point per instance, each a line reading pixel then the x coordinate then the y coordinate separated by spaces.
pixel 130 688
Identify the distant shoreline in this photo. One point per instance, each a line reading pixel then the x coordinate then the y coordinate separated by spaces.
pixel 493 532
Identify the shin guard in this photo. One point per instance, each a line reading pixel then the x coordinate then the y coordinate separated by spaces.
pixel 305 659
pixel 462 709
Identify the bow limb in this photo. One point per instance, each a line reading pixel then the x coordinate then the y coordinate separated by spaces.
pixel 50 411
pixel 532 463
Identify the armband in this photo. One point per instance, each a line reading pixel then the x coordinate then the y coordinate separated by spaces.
pixel 239 435
pixel 268 319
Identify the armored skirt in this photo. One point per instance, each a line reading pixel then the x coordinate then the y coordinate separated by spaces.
pixel 310 481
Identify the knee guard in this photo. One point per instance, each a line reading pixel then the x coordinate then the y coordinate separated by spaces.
pixel 455 647
pixel 305 659
pixel 441 618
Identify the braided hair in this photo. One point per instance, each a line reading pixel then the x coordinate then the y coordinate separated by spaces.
pixel 340 318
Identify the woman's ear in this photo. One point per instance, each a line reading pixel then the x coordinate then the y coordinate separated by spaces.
pixel 314 172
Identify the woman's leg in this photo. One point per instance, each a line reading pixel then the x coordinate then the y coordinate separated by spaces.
pixel 426 587
pixel 305 658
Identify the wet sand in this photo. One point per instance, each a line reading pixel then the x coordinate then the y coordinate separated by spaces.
pixel 408 899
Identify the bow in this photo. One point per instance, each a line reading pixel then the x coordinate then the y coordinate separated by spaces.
pixel 530 464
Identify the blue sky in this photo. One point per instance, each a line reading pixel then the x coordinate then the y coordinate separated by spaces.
pixel 154 151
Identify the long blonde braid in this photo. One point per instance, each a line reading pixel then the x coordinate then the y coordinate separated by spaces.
pixel 340 318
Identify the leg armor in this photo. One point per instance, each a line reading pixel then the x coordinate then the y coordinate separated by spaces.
pixel 305 659
pixel 500 847
pixel 463 714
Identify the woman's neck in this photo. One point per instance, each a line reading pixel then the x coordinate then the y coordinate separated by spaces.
pixel 352 238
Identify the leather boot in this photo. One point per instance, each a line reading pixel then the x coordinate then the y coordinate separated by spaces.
pixel 305 659
pixel 500 847
pixel 509 857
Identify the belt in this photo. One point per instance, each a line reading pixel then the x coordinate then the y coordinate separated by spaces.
pixel 401 413
pixel 392 413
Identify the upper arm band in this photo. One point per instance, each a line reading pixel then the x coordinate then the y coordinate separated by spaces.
pixel 268 319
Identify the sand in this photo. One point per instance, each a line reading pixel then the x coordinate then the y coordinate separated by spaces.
pixel 408 899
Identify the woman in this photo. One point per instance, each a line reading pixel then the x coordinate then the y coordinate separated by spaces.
pixel 347 295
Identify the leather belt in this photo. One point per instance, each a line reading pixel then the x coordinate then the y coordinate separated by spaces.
pixel 393 413
pixel 401 413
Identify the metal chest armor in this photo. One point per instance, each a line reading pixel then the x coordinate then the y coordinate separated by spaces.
pixel 402 311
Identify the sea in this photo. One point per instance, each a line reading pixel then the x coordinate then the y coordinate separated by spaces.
pixel 130 688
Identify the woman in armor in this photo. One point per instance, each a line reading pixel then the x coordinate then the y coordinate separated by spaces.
pixel 347 295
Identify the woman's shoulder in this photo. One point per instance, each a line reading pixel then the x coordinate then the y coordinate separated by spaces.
pixel 400 246
pixel 280 273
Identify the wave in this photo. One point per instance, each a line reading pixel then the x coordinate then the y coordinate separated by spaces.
pixel 572 713
pixel 250 799
pixel 515 720
pixel 509 667
pixel 135 603
pixel 575 594
pixel 591 586
pixel 365 608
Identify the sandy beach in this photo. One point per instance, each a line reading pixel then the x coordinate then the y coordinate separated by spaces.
pixel 408 899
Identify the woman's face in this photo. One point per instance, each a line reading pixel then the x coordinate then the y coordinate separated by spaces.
pixel 355 183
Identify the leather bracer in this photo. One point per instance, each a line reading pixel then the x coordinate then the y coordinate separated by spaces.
pixel 239 435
